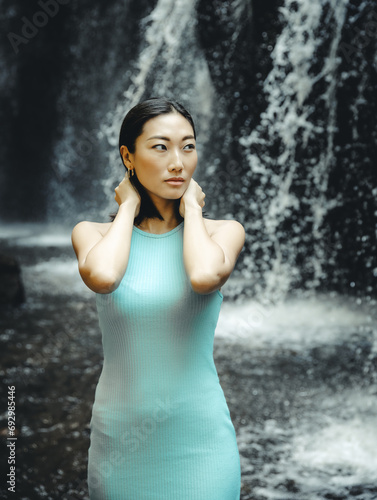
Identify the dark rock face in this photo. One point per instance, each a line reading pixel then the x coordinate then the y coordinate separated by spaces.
pixel 11 286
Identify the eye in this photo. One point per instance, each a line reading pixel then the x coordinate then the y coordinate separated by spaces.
pixel 159 147
pixel 189 146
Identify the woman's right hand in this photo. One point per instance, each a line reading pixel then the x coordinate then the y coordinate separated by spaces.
pixel 126 192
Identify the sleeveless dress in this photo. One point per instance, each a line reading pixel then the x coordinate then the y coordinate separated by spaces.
pixel 160 426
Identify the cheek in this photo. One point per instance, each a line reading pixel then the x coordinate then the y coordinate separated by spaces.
pixel 193 164
pixel 147 167
pixel 193 168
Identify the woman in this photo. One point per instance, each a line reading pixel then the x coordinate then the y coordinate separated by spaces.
pixel 160 426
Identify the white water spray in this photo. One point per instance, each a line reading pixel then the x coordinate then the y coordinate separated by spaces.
pixel 288 121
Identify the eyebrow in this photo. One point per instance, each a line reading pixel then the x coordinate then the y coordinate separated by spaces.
pixel 167 138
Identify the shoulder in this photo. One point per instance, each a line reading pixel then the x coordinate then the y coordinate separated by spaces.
pixel 86 234
pixel 228 234
pixel 85 227
pixel 214 226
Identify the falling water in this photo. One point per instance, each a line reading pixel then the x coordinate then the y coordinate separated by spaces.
pixel 278 178
pixel 290 172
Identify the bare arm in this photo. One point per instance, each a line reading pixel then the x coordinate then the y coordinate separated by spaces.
pixel 209 258
pixel 103 256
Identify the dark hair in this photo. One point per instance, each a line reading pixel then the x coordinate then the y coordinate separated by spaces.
pixel 132 127
pixel 135 119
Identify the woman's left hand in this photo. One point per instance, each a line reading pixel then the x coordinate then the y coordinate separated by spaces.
pixel 193 197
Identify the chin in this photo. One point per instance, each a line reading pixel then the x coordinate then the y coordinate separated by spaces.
pixel 177 197
pixel 174 194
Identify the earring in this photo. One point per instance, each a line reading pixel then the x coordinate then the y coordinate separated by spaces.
pixel 132 172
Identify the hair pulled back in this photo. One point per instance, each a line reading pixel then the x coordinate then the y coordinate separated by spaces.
pixel 135 119
pixel 131 128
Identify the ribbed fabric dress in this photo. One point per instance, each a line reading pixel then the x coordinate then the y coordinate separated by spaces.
pixel 160 426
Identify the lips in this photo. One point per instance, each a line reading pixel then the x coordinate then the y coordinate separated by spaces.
pixel 175 179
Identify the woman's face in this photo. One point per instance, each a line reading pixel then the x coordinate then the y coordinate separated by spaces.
pixel 165 150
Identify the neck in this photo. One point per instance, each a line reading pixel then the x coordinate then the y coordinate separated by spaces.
pixel 167 210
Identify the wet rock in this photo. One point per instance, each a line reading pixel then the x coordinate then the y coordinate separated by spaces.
pixel 11 287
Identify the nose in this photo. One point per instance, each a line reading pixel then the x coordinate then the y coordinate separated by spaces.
pixel 176 162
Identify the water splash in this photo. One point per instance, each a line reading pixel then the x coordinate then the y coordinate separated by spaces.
pixel 291 151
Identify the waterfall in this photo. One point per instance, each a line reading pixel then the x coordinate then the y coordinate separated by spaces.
pixel 283 97
pixel 289 169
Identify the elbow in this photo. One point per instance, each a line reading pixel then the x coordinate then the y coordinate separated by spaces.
pixel 205 283
pixel 99 282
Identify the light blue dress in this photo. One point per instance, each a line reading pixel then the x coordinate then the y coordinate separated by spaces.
pixel 160 426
